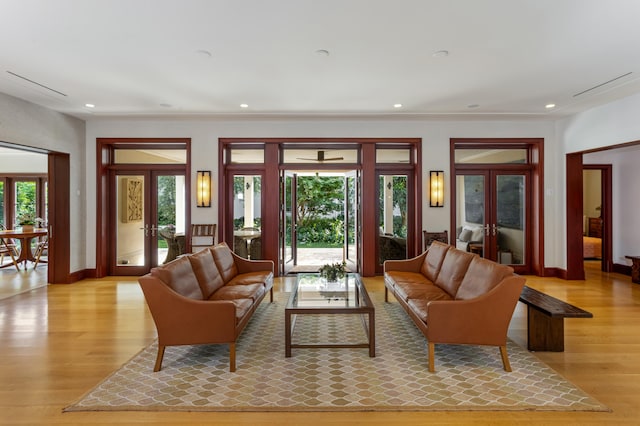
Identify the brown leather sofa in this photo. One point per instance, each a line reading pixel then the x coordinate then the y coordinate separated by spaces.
pixel 455 297
pixel 206 297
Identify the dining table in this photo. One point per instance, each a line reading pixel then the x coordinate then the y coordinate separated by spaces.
pixel 25 237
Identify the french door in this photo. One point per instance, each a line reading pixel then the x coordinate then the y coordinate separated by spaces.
pixel 493 215
pixel 144 203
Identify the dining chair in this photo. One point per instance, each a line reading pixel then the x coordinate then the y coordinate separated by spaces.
pixel 202 235
pixel 41 248
pixel 430 237
pixel 8 247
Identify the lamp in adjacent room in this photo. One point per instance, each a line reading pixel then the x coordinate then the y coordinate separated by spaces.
pixel 203 188
pixel 436 188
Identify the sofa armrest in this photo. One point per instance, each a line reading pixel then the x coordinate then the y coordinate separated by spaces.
pixel 405 265
pixel 182 321
pixel 246 265
pixel 482 321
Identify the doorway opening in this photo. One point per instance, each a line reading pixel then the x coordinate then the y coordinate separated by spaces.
pixel 320 220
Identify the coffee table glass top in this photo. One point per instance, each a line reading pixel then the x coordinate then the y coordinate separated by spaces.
pixel 313 291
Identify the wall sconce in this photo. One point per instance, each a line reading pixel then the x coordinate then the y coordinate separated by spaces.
pixel 436 188
pixel 203 188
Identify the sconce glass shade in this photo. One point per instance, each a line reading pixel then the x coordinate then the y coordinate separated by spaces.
pixel 203 188
pixel 436 188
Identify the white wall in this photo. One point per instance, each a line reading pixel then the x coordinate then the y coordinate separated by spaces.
pixel 24 123
pixel 435 134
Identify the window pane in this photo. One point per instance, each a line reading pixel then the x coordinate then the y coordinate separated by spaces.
pixel 247 156
pixel 323 156
pixel 491 156
pixel 25 200
pixel 393 156
pixel 150 156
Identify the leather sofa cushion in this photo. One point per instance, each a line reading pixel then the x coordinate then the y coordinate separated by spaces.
pixel 419 307
pixel 396 277
pixel 481 277
pixel 179 276
pixel 424 290
pixel 262 277
pixel 206 272
pixel 231 292
pixel 224 261
pixel 242 307
pixel 433 260
pixel 453 270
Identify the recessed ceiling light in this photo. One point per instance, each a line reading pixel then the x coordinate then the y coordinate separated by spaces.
pixel 473 106
pixel 164 105
pixel 90 105
pixel 550 106
pixel 244 105
pixel 440 54
pixel 397 105
pixel 322 52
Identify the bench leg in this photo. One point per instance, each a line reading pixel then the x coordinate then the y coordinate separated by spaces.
pixel 271 295
pixel 505 359
pixel 158 365
pixel 432 351
pixel 543 332
pixel 386 294
pixel 232 357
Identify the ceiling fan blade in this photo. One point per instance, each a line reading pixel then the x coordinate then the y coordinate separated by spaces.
pixel 320 158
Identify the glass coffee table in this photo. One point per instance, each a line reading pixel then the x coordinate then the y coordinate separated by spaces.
pixel 313 295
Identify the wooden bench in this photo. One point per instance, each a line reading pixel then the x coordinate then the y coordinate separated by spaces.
pixel 545 320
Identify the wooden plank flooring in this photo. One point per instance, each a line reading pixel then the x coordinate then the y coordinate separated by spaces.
pixel 60 341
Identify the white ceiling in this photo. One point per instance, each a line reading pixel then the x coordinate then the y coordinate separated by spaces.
pixel 206 57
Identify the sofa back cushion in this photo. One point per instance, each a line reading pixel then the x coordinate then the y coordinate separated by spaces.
pixel 453 269
pixel 482 275
pixel 179 275
pixel 224 261
pixel 206 272
pixel 433 260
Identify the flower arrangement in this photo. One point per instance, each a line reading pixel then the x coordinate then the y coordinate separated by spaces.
pixel 28 219
pixel 333 271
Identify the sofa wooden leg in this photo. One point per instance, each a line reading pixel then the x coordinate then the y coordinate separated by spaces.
pixel 432 351
pixel 271 295
pixel 386 294
pixel 505 358
pixel 232 357
pixel 158 365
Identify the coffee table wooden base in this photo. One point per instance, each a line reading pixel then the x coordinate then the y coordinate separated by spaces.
pixel 289 324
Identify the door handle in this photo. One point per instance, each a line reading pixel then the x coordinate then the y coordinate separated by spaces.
pixel 494 230
pixel 146 230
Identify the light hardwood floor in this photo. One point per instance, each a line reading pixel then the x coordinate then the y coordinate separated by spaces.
pixel 60 341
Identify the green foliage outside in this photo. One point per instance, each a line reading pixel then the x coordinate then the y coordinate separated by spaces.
pixel 25 200
pixel 166 200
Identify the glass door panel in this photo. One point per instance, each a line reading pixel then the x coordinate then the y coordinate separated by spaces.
pixel 149 220
pixel 288 225
pixel 171 222
pixel 393 208
pixel 352 221
pixel 471 200
pixel 247 216
pixel 510 221
pixel 131 228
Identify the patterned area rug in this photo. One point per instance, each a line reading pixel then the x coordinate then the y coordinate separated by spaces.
pixel 196 378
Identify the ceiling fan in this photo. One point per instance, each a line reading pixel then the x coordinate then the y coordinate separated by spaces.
pixel 320 158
